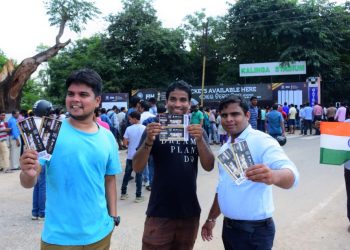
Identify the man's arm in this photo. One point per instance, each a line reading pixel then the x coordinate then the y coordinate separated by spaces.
pixel 30 168
pixel 207 228
pixel 125 142
pixel 206 156
pixel 140 158
pixel 111 194
pixel 283 178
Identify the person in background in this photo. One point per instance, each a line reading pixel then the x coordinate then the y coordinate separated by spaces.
pixel 275 123
pixel 291 118
pixel 308 118
pixel 97 118
pixel 15 140
pixel 253 110
pixel 153 105
pixel 197 116
pixel 330 113
pixel 4 150
pixel 340 115
pixel 221 131
pixel 317 112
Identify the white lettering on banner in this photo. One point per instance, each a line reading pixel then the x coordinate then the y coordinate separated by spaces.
pixel 248 89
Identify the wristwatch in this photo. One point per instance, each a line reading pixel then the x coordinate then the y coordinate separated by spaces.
pixel 116 220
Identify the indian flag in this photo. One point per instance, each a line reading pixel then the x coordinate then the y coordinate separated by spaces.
pixel 335 142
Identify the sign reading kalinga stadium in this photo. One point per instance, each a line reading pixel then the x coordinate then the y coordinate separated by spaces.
pixel 272 69
pixel 217 92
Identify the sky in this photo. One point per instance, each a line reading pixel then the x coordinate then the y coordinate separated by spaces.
pixel 24 23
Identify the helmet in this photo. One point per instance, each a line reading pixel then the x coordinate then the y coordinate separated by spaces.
pixel 282 140
pixel 42 108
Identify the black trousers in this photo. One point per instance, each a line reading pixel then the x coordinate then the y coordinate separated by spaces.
pixel 248 235
pixel 347 185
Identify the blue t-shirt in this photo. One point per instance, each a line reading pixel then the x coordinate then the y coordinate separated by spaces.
pixel 76 206
pixel 274 119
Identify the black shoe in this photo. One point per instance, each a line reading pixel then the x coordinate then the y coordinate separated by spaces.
pixel 149 188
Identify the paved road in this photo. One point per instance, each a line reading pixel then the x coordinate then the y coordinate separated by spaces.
pixel 312 216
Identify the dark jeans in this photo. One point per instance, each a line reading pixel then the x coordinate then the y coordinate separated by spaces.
pixel 127 174
pixel 150 169
pixel 307 125
pixel 39 195
pixel 248 235
pixel 317 118
pixel 347 185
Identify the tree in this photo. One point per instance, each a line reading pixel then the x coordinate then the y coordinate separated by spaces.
pixel 84 53
pixel 201 44
pixel 146 53
pixel 71 13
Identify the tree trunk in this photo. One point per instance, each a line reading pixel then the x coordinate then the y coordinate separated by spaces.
pixel 12 80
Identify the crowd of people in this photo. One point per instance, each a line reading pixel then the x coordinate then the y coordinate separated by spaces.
pixel 79 181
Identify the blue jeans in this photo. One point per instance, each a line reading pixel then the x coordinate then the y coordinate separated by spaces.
pixel 145 174
pixel 244 235
pixel 127 174
pixel 150 169
pixel 39 195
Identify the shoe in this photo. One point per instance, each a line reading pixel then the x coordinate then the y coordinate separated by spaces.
pixel 124 196
pixel 145 183
pixel 139 199
pixel 8 171
pixel 148 188
pixel 131 177
pixel 34 217
pixel 41 218
pixel 1 169
pixel 17 168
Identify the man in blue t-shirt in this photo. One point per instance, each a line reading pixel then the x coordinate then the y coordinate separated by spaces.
pixel 80 176
pixel 275 122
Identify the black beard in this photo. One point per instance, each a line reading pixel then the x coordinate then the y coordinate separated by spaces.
pixel 80 118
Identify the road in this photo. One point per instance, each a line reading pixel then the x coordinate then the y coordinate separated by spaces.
pixel 311 216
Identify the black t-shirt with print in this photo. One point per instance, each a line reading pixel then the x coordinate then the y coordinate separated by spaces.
pixel 174 188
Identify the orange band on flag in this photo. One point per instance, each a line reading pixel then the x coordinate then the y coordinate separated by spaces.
pixel 335 128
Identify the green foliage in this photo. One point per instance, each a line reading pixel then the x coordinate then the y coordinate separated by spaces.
pixel 137 52
pixel 74 13
pixel 32 91
pixel 148 54
pixel 3 59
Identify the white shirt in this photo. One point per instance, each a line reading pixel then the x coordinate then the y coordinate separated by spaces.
pixel 133 134
pixel 145 115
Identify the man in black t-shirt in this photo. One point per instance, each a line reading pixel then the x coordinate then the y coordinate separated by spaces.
pixel 173 210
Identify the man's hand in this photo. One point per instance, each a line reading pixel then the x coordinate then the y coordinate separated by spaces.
pixel 29 163
pixel 152 130
pixel 196 131
pixel 207 230
pixel 260 173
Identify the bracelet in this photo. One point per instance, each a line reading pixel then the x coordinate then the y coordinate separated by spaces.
pixel 211 220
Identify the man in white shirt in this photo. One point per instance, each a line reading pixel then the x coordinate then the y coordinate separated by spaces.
pixel 132 138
